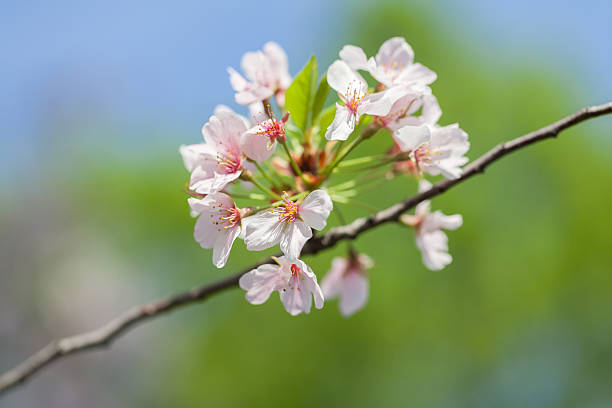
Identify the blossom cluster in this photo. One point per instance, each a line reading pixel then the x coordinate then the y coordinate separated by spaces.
pixel 279 164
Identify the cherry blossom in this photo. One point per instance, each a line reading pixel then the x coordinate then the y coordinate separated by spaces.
pixel 218 225
pixel 435 149
pixel 431 241
pixel 404 109
pixel 393 65
pixel 348 280
pixel 293 279
pixel 353 91
pixel 267 75
pixel 289 224
pixel 220 159
pixel 259 142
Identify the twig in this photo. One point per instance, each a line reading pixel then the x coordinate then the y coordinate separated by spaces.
pixel 103 336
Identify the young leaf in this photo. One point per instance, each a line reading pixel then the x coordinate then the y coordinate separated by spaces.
pixel 320 97
pixel 301 93
pixel 326 118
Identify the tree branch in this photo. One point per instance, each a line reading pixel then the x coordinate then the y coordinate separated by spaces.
pixel 103 336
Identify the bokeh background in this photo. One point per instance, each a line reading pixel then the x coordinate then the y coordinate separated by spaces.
pixel 97 96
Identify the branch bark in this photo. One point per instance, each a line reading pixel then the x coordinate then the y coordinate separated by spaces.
pixel 104 336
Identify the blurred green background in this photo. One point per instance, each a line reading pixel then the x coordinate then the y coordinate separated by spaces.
pixel 521 318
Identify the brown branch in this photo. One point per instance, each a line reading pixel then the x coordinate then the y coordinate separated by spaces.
pixel 104 335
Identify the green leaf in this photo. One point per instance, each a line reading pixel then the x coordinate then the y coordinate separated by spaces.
pixel 301 94
pixel 326 118
pixel 320 97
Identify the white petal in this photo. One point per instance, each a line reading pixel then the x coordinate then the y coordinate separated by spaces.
pixel 315 209
pixel 236 80
pixel 409 138
pixel 278 63
pixel 256 67
pixel 263 231
pixel 354 57
pixel 311 285
pixel 332 281
pixel 431 111
pixel 206 183
pixel 205 231
pixel 293 238
pixel 416 74
pixel 354 295
pixel 380 103
pixel 260 283
pixel 194 154
pixel 223 245
pixel 295 297
pixel 434 249
pixel 424 185
pixel 342 126
pixel 253 94
pixel 395 51
pixel 437 220
pixel 341 77
pixel 255 144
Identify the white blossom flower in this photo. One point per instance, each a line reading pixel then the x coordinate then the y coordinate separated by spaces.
pixel 290 224
pixel 220 159
pixel 293 279
pixel 393 65
pixel 218 225
pixel 259 142
pixel 348 280
pixel 267 75
pixel 403 111
pixel 435 149
pixel 353 91
pixel 431 241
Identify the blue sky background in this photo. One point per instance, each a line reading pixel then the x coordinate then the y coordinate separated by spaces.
pixel 132 77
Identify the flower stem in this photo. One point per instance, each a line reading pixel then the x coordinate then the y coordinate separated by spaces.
pixel 246 175
pixel 294 165
pixel 346 149
pixel 264 173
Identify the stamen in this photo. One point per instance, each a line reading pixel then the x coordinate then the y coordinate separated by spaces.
pixel 288 211
pixel 296 276
pixel 353 97
pixel 229 163
pixel 226 217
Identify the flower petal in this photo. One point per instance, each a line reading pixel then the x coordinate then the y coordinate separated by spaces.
pixel 342 126
pixel 194 154
pixel 293 238
pixel 263 231
pixel 354 57
pixel 315 209
pixel 434 249
pixel 223 245
pixel 255 144
pixel 409 138
pixel 395 52
pixel 355 292
pixel 332 281
pixel 204 182
pixel 416 74
pixel 341 77
pixel 260 283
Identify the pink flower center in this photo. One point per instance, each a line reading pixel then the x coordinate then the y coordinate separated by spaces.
pixel 273 129
pixel 353 97
pixel 225 217
pixel 393 69
pixel 288 211
pixel 229 162
pixel 425 154
pixel 296 276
